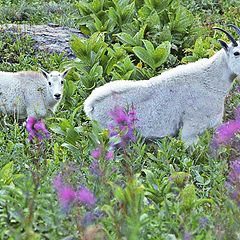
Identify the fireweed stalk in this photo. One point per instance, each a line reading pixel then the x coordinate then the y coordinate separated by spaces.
pixel 123 126
pixel 69 198
pixel 121 133
pixel 37 132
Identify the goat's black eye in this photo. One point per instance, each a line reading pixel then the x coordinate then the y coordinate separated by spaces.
pixel 62 82
pixel 236 53
pixel 49 83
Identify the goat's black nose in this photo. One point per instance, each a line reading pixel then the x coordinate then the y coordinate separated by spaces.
pixel 57 95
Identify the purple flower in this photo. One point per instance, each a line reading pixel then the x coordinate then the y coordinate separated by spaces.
pixel 203 222
pixel 36 129
pixel 233 181
pixel 94 168
pixel 30 128
pixel 234 174
pixel 30 123
pixel 88 219
pixel 226 132
pixel 40 127
pixel 119 116
pixel 96 153
pixel 66 194
pixel 109 155
pixel 122 130
pixel 237 113
pixel 187 236
pixel 85 196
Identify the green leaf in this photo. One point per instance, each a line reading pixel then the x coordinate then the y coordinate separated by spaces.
pixel 149 46
pixel 70 147
pixel 144 56
pixel 126 38
pixel 161 53
pixel 72 136
pixel 6 173
pixel 183 19
pixel 57 129
pixel 189 197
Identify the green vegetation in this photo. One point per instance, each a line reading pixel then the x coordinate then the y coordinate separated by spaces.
pixel 153 190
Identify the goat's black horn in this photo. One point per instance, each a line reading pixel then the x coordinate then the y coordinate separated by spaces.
pixel 234 42
pixel 235 27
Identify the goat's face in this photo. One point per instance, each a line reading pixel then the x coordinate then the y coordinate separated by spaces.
pixel 55 81
pixel 232 50
pixel 233 55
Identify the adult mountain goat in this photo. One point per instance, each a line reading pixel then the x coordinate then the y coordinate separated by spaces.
pixel 190 96
pixel 30 93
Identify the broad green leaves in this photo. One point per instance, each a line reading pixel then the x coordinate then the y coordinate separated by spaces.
pixel 124 32
pixel 202 49
pixel 135 40
pixel 181 20
pixel 154 57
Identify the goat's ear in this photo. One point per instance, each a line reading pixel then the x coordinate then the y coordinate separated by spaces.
pixel 223 44
pixel 64 74
pixel 44 73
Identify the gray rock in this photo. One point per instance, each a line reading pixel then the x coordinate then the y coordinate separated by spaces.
pixel 50 38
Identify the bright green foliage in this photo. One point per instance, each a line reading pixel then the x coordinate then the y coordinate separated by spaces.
pixel 136 33
pixel 153 57
pixel 202 49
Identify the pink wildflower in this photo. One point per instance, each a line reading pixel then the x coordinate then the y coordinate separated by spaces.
pixel 233 181
pixel 85 196
pixel 119 116
pixel 226 132
pixel 96 153
pixel 109 155
pixel 36 129
pixel 124 125
pixel 66 194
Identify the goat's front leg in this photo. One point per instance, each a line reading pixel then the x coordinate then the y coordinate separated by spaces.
pixel 37 110
pixel 190 133
pixel 194 127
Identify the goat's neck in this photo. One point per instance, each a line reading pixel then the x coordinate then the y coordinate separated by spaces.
pixel 221 77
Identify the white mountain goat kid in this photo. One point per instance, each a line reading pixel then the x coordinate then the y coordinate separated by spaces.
pixel 30 93
pixel 190 96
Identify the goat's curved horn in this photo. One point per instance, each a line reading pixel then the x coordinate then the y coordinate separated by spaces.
pixel 234 42
pixel 235 27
